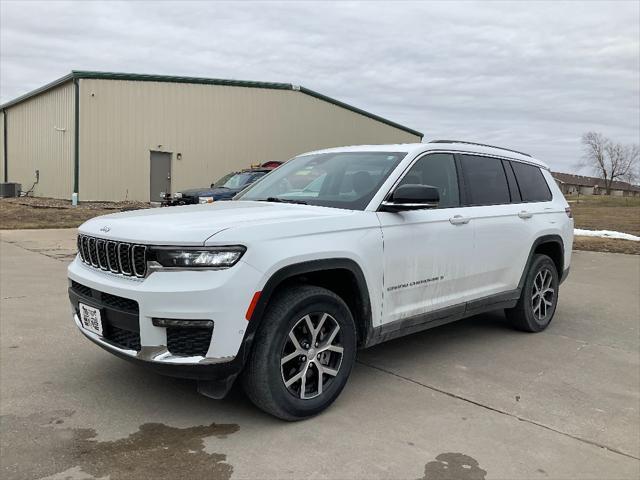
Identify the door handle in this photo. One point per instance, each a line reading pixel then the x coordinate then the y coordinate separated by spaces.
pixel 459 220
pixel 524 214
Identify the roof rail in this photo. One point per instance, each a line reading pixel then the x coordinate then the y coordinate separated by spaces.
pixel 479 145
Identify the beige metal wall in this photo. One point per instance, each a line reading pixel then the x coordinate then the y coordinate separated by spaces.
pixel 2 147
pixel 40 135
pixel 216 129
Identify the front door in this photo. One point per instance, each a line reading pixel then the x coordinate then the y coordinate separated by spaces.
pixel 427 252
pixel 160 175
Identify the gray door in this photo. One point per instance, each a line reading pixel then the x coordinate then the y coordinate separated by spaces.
pixel 160 175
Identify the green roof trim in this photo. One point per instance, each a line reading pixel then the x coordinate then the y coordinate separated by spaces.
pixel 80 74
pixel 37 91
pixel 320 96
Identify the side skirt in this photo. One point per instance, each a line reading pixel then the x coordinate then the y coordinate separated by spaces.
pixel 425 321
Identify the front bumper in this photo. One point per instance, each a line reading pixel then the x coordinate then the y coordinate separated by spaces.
pixel 130 306
pixel 161 361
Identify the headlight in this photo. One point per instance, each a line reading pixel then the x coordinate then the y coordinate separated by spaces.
pixel 205 199
pixel 177 195
pixel 198 257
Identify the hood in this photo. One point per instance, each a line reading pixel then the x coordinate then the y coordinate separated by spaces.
pixel 210 192
pixel 194 224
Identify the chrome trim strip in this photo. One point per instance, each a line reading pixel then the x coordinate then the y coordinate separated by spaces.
pixel 112 269
pixel 100 242
pixel 79 245
pixel 93 250
pixel 122 269
pixel 85 249
pixel 133 260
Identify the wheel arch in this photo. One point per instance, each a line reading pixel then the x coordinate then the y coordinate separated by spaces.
pixel 550 245
pixel 342 276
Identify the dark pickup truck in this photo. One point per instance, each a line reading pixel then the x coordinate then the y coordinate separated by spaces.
pixel 223 189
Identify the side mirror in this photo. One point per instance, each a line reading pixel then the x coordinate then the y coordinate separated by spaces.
pixel 412 197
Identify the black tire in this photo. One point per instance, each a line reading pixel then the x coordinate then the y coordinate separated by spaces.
pixel 263 378
pixel 524 316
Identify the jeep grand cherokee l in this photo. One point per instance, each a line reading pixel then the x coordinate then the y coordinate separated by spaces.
pixel 281 286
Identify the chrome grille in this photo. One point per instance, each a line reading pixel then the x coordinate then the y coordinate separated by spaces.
pixel 102 254
pixel 117 257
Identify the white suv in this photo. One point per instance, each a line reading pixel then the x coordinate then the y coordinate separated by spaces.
pixel 333 251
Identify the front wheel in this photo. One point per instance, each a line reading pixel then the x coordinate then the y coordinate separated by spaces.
pixel 303 353
pixel 539 298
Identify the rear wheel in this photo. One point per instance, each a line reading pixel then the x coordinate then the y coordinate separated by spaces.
pixel 303 353
pixel 539 298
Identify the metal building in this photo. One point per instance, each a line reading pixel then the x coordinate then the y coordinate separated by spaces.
pixel 115 136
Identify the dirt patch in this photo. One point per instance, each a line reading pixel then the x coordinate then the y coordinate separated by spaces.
pixel 34 212
pixel 40 445
pixel 610 245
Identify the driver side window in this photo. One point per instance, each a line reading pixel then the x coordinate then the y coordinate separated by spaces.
pixel 436 170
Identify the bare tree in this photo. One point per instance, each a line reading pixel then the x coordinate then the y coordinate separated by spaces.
pixel 610 161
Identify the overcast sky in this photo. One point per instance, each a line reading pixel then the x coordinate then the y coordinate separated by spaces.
pixel 532 76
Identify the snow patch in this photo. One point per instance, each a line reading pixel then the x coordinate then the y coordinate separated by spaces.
pixel 579 232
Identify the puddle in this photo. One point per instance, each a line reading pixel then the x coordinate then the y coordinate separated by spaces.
pixel 40 445
pixel 453 466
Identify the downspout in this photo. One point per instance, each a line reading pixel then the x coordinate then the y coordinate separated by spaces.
pixel 4 145
pixel 76 134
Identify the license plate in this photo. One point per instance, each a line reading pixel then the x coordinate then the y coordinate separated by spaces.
pixel 90 318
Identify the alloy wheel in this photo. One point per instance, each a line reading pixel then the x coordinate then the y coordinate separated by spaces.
pixel 311 356
pixel 543 294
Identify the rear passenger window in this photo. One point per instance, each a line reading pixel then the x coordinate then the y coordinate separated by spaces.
pixel 436 170
pixel 533 186
pixel 485 180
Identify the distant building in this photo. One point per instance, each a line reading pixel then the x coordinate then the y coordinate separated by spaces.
pixel 579 184
pixel 115 136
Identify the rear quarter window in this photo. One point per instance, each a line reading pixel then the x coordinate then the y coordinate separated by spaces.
pixel 531 181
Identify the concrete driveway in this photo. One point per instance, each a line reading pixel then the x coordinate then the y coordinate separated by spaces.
pixel 469 401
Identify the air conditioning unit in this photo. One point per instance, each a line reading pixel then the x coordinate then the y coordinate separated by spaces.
pixel 10 189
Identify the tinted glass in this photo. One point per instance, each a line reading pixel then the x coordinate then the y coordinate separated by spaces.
pixel 513 185
pixel 342 179
pixel 533 186
pixel 485 180
pixel 436 170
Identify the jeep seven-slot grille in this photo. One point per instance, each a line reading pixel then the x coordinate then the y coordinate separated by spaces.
pixel 116 257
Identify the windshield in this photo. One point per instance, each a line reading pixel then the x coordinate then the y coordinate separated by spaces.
pixel 239 180
pixel 342 179
pixel 221 181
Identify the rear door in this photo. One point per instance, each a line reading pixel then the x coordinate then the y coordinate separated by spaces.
pixel 503 228
pixel 427 252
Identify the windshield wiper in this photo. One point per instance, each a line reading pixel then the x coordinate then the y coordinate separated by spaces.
pixel 282 200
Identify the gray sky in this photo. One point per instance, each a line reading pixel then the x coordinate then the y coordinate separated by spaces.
pixel 532 76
